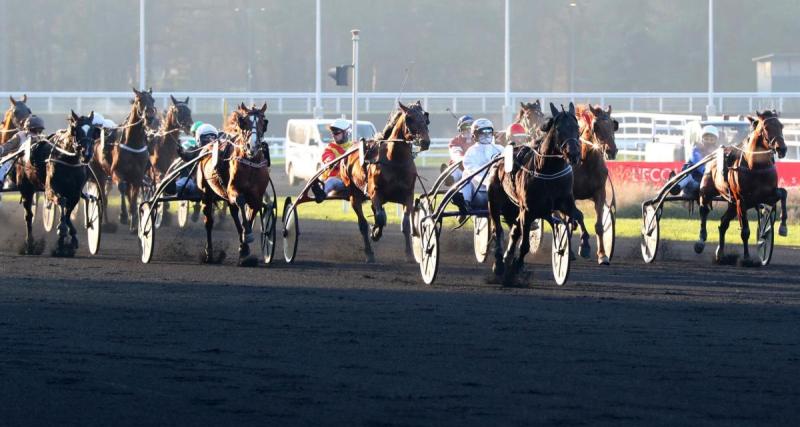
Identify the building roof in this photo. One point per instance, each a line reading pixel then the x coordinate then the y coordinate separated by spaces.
pixel 774 56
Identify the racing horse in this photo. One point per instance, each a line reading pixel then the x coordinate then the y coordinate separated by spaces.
pixel 164 144
pixel 589 178
pixel 127 161
pixel 237 173
pixel 14 118
pixel 540 183
pixel 750 180
pixel 530 116
pixel 389 175
pixel 67 174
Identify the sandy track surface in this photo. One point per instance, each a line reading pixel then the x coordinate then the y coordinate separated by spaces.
pixel 329 340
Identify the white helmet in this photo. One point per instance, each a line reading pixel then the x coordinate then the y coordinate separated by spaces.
pixel 98 120
pixel 340 124
pixel 710 130
pixel 205 129
pixel 109 124
pixel 481 124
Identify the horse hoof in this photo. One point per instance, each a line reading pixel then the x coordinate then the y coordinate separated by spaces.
pixel 370 259
pixel 248 261
pixel 248 238
pixel 603 260
pixel 748 262
pixel 584 251
pixel 699 246
pixel 783 230
pixel 376 234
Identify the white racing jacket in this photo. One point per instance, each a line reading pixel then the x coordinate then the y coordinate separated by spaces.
pixel 477 156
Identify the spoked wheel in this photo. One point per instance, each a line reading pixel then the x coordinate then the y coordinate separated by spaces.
pixel 183 213
pixel 92 214
pixel 419 212
pixel 480 237
pixel 147 230
pixel 650 233
pixel 429 236
pixel 146 194
pixel 49 214
pixel 609 229
pixel 560 252
pixel 291 231
pixel 766 232
pixel 535 236
pixel 268 217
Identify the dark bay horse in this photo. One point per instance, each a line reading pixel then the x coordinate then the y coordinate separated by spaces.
pixel 67 173
pixel 589 178
pixel 530 116
pixel 14 118
pixel 165 144
pixel 750 180
pixel 391 174
pixel 539 185
pixel 240 177
pixel 127 162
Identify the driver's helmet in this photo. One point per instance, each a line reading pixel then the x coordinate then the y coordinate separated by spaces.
pixel 194 127
pixel 205 133
pixel 34 123
pixel 482 126
pixel 709 130
pixel 98 120
pixel 340 125
pixel 464 122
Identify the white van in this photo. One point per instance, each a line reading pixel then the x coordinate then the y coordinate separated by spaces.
pixel 305 141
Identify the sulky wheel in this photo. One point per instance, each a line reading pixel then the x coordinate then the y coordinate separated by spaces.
pixel 147 230
pixel 183 213
pixel 480 237
pixel 535 235
pixel 766 232
pixel 560 252
pixel 419 212
pixel 49 214
pixel 609 229
pixel 291 231
pixel 268 216
pixel 92 215
pixel 429 236
pixel 650 233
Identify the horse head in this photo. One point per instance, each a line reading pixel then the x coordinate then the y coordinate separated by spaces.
pixel 530 115
pixel 179 115
pixel 562 132
pixel 603 128
pixel 415 121
pixel 146 106
pixel 768 132
pixel 19 111
pixel 252 124
pixel 83 134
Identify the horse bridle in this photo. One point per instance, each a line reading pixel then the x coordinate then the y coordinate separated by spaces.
pixel 772 143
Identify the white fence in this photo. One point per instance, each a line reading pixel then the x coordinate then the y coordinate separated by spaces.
pixel 337 103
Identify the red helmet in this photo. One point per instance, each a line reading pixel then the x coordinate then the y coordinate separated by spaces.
pixel 516 129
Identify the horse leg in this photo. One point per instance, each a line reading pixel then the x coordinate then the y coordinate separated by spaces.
pixel 744 226
pixel 584 250
pixel 515 232
pixel 724 222
pixel 208 213
pixel 524 245
pixel 27 204
pixel 247 237
pixel 700 244
pixel 63 228
pixel 380 218
pixel 363 227
pixel 244 249
pixel 123 209
pixel 405 227
pixel 73 231
pixel 599 204
pixel 782 229
pixel 133 207
pixel 494 213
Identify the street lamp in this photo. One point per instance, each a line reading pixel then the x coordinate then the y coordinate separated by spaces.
pixel 573 6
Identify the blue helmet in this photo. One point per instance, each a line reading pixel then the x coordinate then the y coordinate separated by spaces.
pixel 464 121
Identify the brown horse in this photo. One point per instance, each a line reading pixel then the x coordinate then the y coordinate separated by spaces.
pixel 239 177
pixel 67 173
pixel 530 116
pixel 128 160
pixel 390 176
pixel 165 144
pixel 14 118
pixel 750 180
pixel 589 179
pixel 539 185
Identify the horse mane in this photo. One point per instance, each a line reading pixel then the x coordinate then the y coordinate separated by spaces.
pixel 585 115
pixel 386 133
pixel 7 118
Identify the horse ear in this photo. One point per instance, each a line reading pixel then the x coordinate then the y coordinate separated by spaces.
pixel 264 107
pixel 402 107
pixel 13 101
pixel 608 109
pixel 24 97
pixel 172 98
pixel 572 108
pixel 186 101
pixel 553 109
pixel 136 91
pixel 522 104
pixel 91 116
pixel 753 121
pixel 73 116
pixel 242 107
pixel 150 90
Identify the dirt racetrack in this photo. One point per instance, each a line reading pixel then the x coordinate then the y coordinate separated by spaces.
pixel 329 340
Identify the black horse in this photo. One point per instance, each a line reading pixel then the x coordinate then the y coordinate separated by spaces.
pixel 539 185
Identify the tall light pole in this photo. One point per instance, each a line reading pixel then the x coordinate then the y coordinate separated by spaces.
pixel 142 63
pixel 507 77
pixel 710 107
pixel 318 69
pixel 572 10
pixel 354 127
